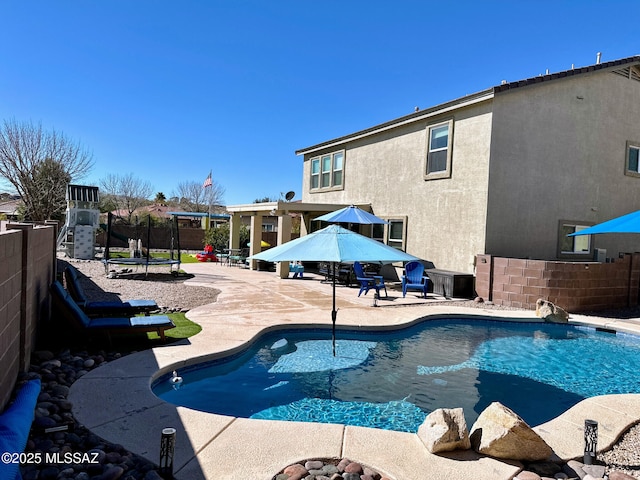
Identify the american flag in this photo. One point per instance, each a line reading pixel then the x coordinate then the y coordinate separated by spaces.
pixel 207 182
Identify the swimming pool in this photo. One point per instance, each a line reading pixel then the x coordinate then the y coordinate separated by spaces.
pixel 393 379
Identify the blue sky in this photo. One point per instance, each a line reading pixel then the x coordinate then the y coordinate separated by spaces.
pixel 169 90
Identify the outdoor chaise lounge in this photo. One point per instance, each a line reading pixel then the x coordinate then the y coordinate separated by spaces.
pixel 117 308
pixel 69 309
pixel 15 423
pixel 414 279
pixel 367 282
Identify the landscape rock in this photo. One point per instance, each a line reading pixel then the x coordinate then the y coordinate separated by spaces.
pixel 444 430
pixel 550 312
pixel 353 467
pixel 527 475
pixel 500 433
pixel 573 468
pixel 296 471
pixel 617 475
pixel 596 471
pixel 313 465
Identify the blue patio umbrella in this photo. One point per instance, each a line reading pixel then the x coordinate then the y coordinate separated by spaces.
pixel 351 214
pixel 334 244
pixel 629 223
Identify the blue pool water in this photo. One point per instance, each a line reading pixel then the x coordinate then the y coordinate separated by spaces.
pixel 392 380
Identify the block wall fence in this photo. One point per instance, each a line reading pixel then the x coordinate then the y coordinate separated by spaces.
pixel 574 286
pixel 27 268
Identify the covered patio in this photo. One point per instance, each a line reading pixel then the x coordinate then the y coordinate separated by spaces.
pixel 282 210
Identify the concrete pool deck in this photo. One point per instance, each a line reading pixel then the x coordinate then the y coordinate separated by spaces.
pixel 115 401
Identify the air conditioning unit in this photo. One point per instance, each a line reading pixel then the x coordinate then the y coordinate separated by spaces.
pixel 600 255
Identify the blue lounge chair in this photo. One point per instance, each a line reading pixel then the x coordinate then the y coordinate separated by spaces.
pixel 96 309
pixel 15 423
pixel 414 279
pixel 367 282
pixel 65 306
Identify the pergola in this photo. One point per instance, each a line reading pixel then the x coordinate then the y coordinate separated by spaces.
pixel 281 210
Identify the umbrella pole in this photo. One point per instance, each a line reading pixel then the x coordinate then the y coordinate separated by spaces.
pixel 334 312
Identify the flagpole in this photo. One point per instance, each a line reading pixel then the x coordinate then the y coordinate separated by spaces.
pixel 208 184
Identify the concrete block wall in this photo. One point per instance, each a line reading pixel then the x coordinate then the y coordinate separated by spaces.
pixel 38 273
pixel 574 286
pixel 10 311
pixel 27 268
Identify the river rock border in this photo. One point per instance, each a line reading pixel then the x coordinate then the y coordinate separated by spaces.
pixel 328 469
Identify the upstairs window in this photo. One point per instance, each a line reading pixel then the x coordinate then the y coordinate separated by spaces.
pixel 632 161
pixel 438 162
pixel 327 171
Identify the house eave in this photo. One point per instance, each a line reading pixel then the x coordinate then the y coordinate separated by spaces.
pixel 604 66
pixel 459 103
pixel 482 96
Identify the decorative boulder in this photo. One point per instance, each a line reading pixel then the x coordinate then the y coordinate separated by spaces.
pixel 551 312
pixel 500 433
pixel 444 430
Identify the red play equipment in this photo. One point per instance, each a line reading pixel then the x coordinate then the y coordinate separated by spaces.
pixel 207 255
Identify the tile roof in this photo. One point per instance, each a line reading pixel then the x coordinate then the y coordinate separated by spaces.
pixel 565 73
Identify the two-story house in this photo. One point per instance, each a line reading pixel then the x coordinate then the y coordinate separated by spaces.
pixel 508 171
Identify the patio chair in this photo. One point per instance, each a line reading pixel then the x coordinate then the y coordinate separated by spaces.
pixel 367 282
pixel 414 279
pixel 117 308
pixel 64 305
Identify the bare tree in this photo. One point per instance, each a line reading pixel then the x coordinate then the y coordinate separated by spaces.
pixel 39 164
pixel 125 193
pixel 196 198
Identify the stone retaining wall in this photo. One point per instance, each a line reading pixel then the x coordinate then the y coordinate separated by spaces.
pixel 574 286
pixel 27 268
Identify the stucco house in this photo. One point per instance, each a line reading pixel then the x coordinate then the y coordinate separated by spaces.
pixel 508 171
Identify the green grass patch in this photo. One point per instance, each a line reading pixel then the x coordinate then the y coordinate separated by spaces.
pixel 184 257
pixel 185 328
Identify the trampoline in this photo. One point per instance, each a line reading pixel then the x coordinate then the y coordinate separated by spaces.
pixel 142 256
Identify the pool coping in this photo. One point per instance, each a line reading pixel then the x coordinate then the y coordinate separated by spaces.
pixel 115 401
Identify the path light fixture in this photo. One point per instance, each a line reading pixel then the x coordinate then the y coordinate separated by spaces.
pixel 167 448
pixel 590 441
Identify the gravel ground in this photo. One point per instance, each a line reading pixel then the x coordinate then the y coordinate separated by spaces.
pixel 172 294
pixel 169 292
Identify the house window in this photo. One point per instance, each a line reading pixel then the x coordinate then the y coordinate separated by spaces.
pixel 327 171
pixel 573 246
pixel 377 232
pixel 396 233
pixel 315 173
pixel 438 162
pixel 632 161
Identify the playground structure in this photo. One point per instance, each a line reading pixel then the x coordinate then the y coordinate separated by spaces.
pixel 77 237
pixel 139 249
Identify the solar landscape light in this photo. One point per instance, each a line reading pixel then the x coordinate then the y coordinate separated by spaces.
pixel 590 441
pixel 167 447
